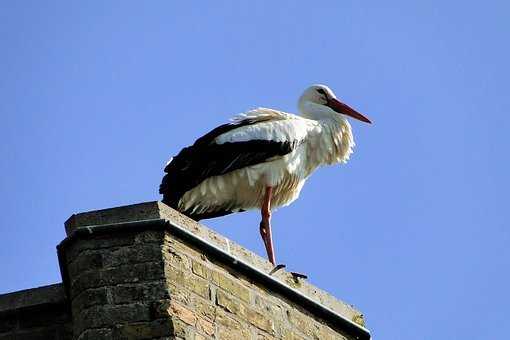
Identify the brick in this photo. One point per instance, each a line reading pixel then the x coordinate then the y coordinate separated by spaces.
pixel 176 276
pixel 150 236
pixel 194 283
pixel 180 329
pixel 303 323
pixel 258 320
pixel 103 316
pixel 160 309
pixel 225 333
pixel 180 294
pixel 96 334
pixel 139 253
pixel 205 326
pixel 133 273
pixel 227 302
pixel 229 328
pixel 98 242
pixel 121 294
pixel 141 272
pixel 203 308
pixel 266 306
pixel 87 280
pixel 144 330
pixel 90 297
pixel 199 286
pixel 177 247
pixel 182 313
pixel 262 336
pixel 171 309
pixel 175 259
pixel 85 262
pixel 290 335
pixel 231 286
pixel 200 269
pixel 142 292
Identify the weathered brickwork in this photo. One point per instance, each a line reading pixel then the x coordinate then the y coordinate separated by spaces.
pixel 144 282
pixel 39 313
pixel 214 302
pixel 117 281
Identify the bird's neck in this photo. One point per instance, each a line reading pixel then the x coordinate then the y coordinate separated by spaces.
pixel 335 141
pixel 316 111
pixel 326 117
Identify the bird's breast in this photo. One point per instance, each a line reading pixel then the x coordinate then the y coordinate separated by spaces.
pixel 333 144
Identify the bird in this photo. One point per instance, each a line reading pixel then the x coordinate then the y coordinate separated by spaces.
pixel 260 160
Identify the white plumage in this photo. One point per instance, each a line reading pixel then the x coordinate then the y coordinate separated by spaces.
pixel 318 142
pixel 260 160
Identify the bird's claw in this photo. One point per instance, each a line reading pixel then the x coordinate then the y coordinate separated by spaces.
pixel 299 276
pixel 276 268
pixel 295 275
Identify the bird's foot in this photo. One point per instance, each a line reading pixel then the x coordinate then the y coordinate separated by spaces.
pixel 295 275
pixel 276 268
pixel 299 276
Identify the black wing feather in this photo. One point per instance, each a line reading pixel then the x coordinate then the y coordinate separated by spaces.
pixel 205 159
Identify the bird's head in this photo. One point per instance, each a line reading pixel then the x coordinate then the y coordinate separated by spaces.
pixel 318 100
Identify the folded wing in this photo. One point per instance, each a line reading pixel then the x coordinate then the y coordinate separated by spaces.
pixel 252 138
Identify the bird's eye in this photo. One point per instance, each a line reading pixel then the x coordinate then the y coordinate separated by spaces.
pixel 321 91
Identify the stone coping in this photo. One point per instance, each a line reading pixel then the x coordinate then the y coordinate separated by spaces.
pixel 51 294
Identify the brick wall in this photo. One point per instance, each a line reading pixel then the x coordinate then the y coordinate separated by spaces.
pixel 38 313
pixel 148 272
pixel 209 301
pixel 116 282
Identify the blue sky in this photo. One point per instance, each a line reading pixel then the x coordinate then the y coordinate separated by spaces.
pixel 95 96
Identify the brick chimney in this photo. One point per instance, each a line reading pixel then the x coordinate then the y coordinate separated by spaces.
pixel 145 271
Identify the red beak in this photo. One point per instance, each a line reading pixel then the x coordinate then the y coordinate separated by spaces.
pixel 340 107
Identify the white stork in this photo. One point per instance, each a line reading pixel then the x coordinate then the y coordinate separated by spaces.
pixel 260 160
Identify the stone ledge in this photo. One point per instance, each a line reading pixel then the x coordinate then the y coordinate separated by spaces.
pixel 46 295
pixel 157 210
pixel 128 213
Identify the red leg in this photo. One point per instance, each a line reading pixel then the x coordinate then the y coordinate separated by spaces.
pixel 265 224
